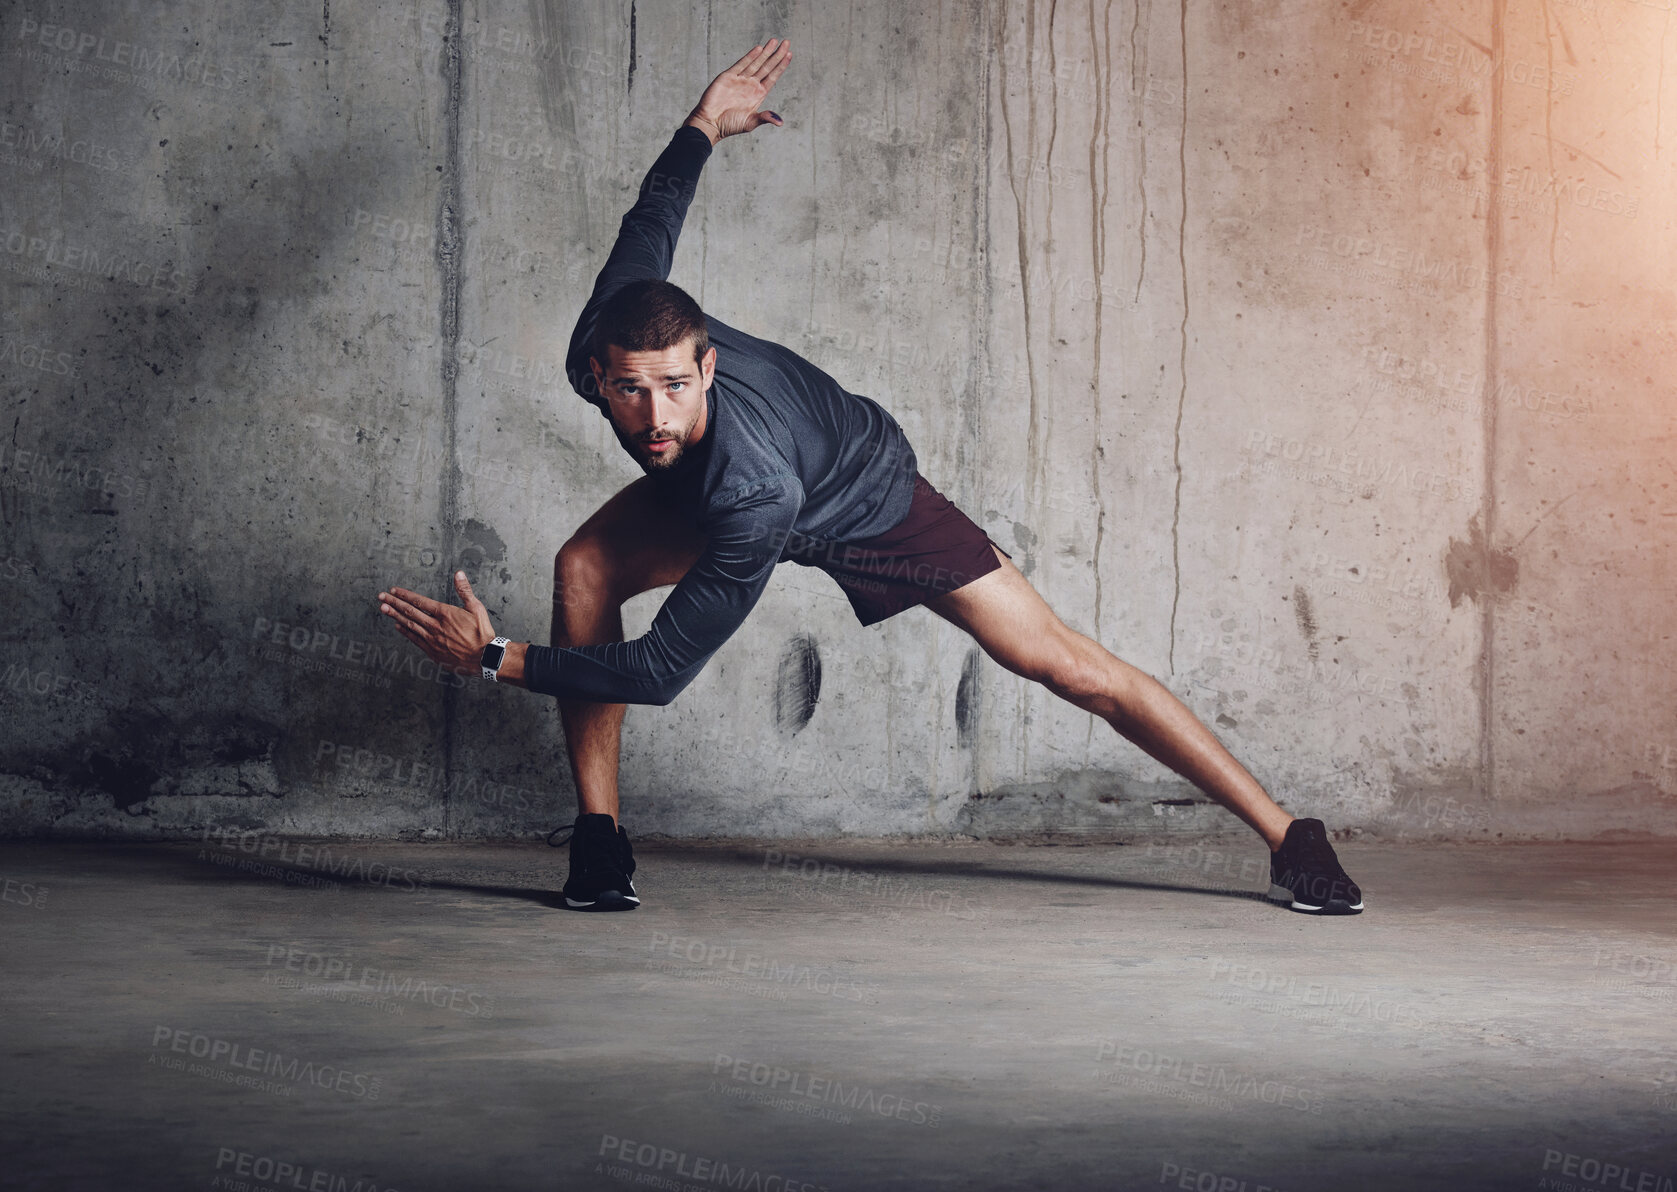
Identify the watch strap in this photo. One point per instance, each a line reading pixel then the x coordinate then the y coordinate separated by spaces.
pixel 494 654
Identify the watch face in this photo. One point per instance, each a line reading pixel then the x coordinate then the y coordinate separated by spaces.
pixel 492 655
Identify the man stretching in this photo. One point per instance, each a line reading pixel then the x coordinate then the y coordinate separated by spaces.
pixel 754 457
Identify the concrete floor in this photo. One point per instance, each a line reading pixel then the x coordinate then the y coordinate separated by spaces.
pixel 879 1016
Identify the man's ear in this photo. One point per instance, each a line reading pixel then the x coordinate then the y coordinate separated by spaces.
pixel 707 366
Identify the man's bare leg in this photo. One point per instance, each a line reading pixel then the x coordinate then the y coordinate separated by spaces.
pixel 1010 619
pixel 630 545
pixel 593 731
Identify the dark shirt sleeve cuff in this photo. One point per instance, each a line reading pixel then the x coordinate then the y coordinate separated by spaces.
pixel 541 669
pixel 688 131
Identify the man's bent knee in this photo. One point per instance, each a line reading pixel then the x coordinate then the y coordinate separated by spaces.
pixel 582 577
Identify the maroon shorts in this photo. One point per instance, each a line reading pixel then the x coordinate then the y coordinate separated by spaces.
pixel 933 550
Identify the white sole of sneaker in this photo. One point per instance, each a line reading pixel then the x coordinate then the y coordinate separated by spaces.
pixel 1282 894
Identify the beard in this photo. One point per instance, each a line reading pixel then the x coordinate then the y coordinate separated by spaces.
pixel 663 461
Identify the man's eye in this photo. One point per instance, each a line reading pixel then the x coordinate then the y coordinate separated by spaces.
pixel 677 384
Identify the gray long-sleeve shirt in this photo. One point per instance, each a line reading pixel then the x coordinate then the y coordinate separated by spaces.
pixel 787 456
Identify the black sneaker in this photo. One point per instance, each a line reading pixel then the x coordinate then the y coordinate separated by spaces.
pixel 1305 873
pixel 601 865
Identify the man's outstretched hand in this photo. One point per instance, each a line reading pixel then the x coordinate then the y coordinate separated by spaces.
pixel 453 637
pixel 729 105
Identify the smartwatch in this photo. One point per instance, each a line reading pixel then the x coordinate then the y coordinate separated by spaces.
pixel 493 654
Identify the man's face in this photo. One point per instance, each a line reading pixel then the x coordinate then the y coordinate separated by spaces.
pixel 657 400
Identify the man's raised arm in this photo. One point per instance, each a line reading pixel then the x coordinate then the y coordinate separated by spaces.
pixel 647 237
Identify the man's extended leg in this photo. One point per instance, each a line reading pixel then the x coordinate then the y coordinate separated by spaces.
pixel 1010 619
pixel 1015 626
pixel 631 544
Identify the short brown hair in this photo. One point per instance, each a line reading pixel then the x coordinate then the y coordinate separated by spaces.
pixel 649 316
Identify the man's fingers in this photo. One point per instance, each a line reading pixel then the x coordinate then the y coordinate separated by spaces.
pixel 406 625
pixel 413 616
pixel 767 64
pixel 418 601
pixel 402 609
pixel 773 76
pixel 772 54
pixel 743 66
pixel 760 59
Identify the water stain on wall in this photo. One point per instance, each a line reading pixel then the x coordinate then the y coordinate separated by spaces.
pixel 1475 570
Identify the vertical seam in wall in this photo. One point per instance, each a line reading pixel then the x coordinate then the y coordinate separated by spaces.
pixel 1182 360
pixel 448 265
pixel 984 310
pixel 1493 254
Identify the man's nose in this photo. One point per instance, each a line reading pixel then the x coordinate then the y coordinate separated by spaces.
pixel 661 406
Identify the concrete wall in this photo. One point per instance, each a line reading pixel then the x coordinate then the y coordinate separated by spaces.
pixel 1318 360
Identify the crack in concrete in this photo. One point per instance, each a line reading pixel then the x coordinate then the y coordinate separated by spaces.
pixel 1141 173
pixel 1023 252
pixel 1182 359
pixel 448 266
pixel 1549 138
pixel 1486 776
pixel 1099 164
